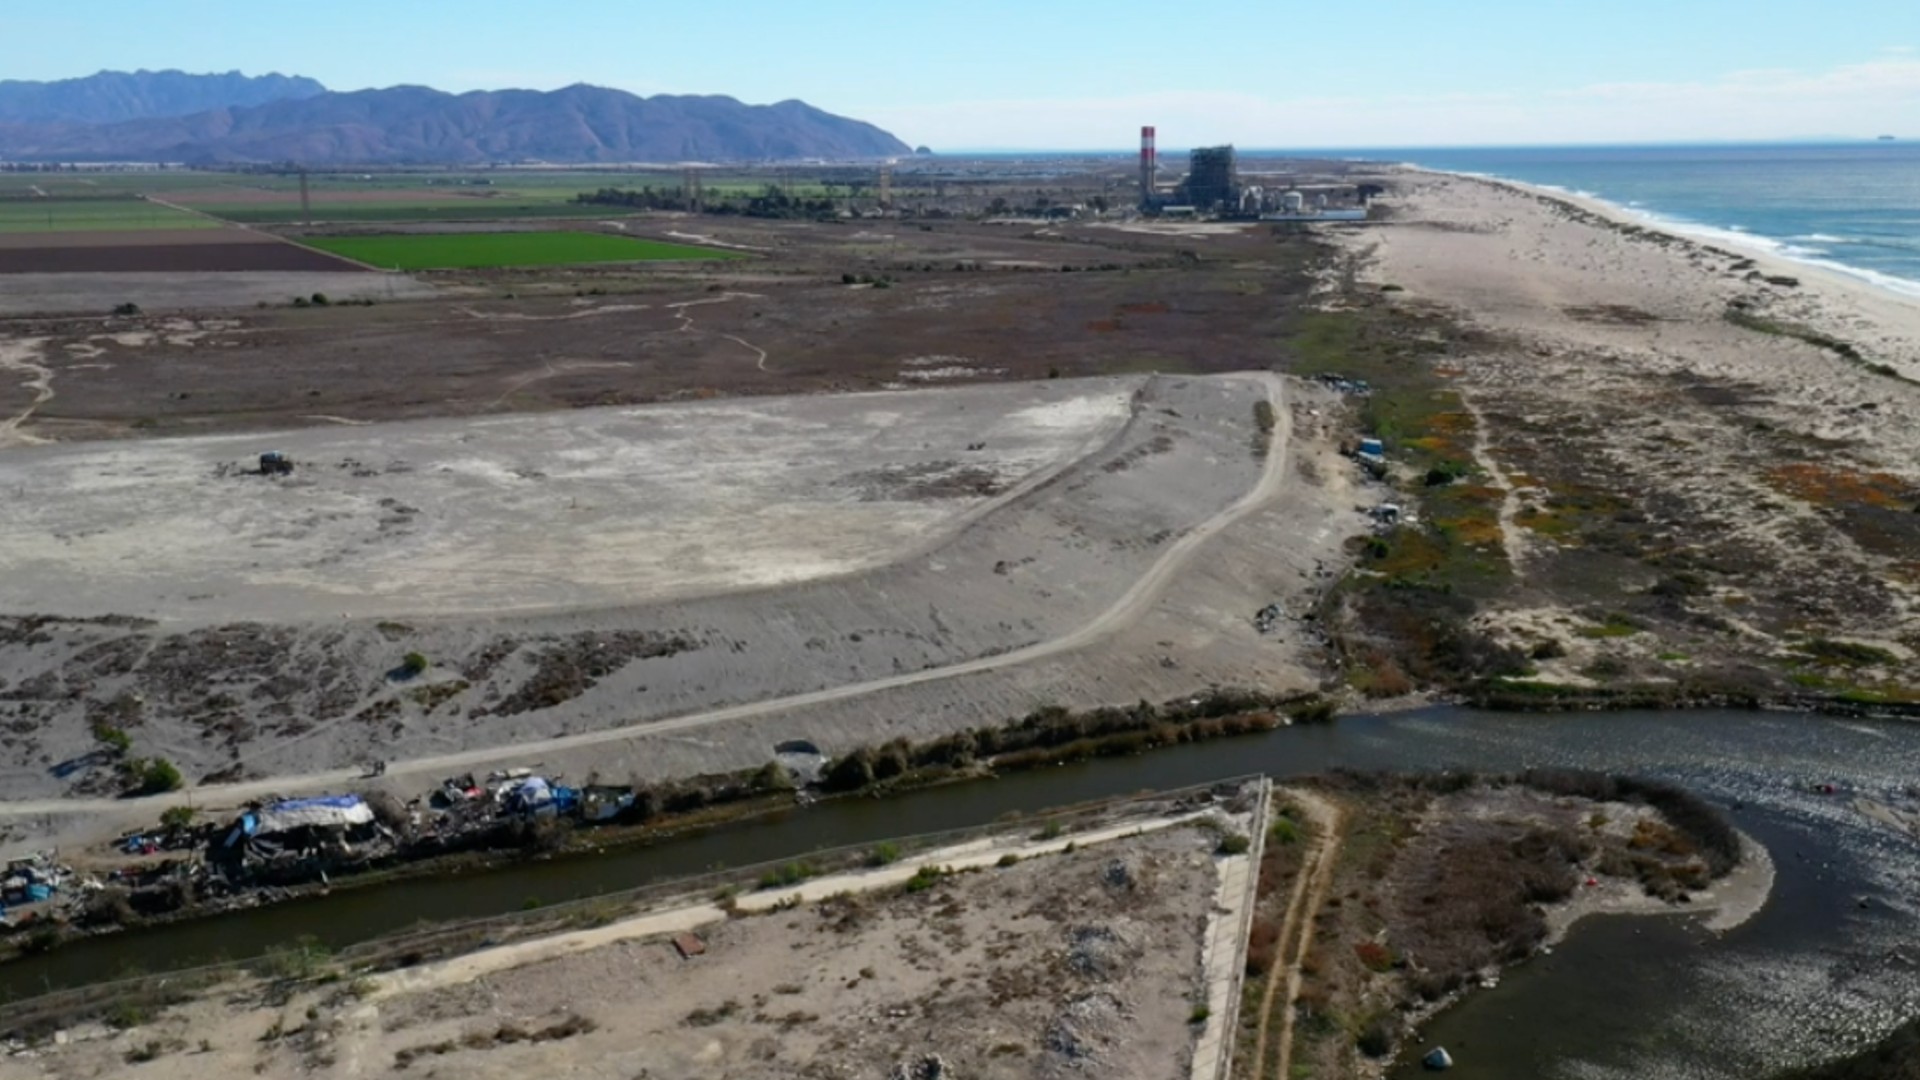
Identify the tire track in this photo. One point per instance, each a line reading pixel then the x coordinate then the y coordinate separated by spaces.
pixel 23 356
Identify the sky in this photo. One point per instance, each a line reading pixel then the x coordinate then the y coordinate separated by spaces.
pixel 1071 75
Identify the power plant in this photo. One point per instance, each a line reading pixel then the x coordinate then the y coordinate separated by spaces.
pixel 1213 187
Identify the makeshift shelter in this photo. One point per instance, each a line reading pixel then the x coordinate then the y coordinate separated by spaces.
pixel 536 796
pixel 332 827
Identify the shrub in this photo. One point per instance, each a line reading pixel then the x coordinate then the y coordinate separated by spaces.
pixel 414 664
pixel 1317 711
pixel 1847 653
pixel 1233 844
pixel 303 959
pixel 1550 649
pixel 1200 1014
pixel 883 853
pixel 851 772
pixel 1681 585
pixel 892 760
pixel 112 738
pixel 1375 1039
pixel 1284 831
pixel 128 308
pixel 788 874
pixel 320 299
pixel 771 777
pixel 1263 945
pixel 925 878
pixel 108 907
pixel 152 776
pixel 177 817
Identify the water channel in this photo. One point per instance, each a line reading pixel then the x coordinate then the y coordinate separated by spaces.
pixel 1831 962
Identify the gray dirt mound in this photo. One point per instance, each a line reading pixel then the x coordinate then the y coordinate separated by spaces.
pixel 1098 952
pixel 1085 1028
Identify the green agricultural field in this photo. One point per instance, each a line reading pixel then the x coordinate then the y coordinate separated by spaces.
pixel 93 215
pixel 470 251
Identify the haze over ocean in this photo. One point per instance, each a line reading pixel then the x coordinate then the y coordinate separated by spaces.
pixel 1851 206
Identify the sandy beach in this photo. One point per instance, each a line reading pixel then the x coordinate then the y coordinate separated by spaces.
pixel 1741 419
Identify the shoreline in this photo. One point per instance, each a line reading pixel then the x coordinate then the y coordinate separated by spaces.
pixel 1760 248
pixel 1731 901
pixel 1883 323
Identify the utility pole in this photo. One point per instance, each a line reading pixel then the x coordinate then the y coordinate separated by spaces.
pixel 306 201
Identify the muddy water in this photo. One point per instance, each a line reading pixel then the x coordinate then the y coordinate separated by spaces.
pixel 1815 973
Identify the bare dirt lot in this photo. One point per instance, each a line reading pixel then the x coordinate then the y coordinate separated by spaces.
pixel 1077 558
pixel 105 238
pixel 1081 961
pixel 597 508
pixel 230 251
pixel 196 292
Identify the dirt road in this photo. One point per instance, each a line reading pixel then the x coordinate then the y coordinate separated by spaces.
pixel 21 357
pixel 1296 930
pixel 1127 610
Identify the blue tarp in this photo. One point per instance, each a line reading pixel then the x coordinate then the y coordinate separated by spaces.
pixel 324 811
pixel 331 802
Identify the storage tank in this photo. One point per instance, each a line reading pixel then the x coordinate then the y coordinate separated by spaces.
pixel 1293 202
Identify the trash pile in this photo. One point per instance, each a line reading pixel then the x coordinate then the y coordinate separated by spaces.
pixel 30 886
pixel 1340 384
pixel 1372 456
pixel 1267 619
pixel 1385 516
pixel 283 841
pixel 295 839
pixel 276 846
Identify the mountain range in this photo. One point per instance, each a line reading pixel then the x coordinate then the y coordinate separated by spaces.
pixel 114 96
pixel 231 119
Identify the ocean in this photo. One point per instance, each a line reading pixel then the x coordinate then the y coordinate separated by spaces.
pixel 1852 207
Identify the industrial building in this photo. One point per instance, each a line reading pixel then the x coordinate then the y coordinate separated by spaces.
pixel 1213 182
pixel 1214 187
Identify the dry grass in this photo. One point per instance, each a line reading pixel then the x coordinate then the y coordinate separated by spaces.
pixel 1824 485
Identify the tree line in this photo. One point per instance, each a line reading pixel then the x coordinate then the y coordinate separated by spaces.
pixel 771 202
